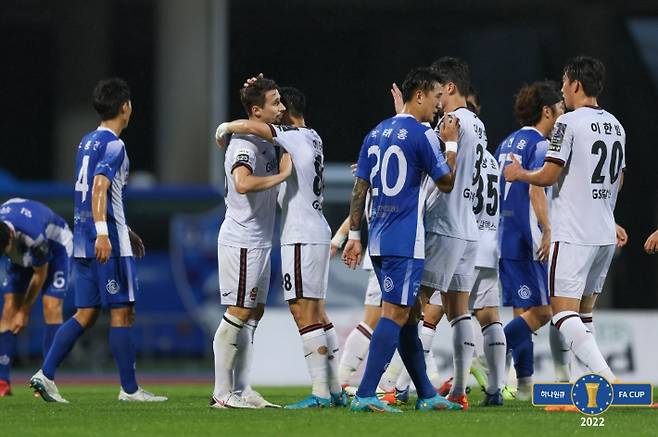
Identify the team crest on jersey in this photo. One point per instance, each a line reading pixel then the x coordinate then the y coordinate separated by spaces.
pixel 524 292
pixel 112 286
pixel 242 157
pixel 557 137
pixel 388 284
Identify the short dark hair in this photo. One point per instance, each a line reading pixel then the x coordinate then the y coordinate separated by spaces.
pixel 590 72
pixel 4 237
pixel 530 101
pixel 254 94
pixel 454 70
pixel 109 96
pixel 421 78
pixel 294 100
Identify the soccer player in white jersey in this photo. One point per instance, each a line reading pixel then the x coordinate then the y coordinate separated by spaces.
pixel 104 247
pixel 585 163
pixel 244 246
pixel 305 239
pixel 451 229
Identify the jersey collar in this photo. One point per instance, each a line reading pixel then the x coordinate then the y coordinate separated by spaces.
pixel 404 115
pixel 107 129
pixel 532 128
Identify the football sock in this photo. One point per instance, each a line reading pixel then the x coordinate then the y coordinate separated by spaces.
pixel 495 351
pixel 48 336
pixel 426 334
pixel 382 346
pixel 332 357
pixel 519 339
pixel 582 343
pixel 314 344
pixel 65 338
pixel 7 353
pixel 244 356
pixel 477 337
pixel 355 352
pixel 123 349
pixel 411 352
pixel 560 353
pixel 588 321
pixel 463 347
pixel 225 348
pixel 393 373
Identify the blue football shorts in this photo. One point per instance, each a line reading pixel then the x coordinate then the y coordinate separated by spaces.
pixel 113 284
pixel 524 283
pixel 399 278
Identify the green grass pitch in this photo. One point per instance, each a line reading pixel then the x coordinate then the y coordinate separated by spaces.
pixel 94 411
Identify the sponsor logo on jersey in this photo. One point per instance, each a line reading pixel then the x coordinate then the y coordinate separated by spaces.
pixel 524 292
pixel 557 137
pixel 242 157
pixel 253 293
pixel 416 287
pixel 388 284
pixel 112 286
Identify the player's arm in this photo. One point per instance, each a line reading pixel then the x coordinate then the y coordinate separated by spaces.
pixel 540 207
pixel 339 237
pixel 546 176
pixel 246 182
pixel 622 236
pixel 33 288
pixel 352 251
pixel 244 127
pixel 449 134
pixel 136 244
pixel 103 247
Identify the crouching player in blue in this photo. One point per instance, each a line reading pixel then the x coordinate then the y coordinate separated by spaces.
pixel 395 158
pixel 103 247
pixel 36 245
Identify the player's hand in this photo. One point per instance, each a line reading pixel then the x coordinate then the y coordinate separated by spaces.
pixel 651 245
pixel 512 170
pixel 622 236
pixel 333 250
pixel 398 102
pixel 221 135
pixel 353 168
pixel 544 247
pixel 19 322
pixel 285 165
pixel 449 128
pixel 251 80
pixel 137 244
pixel 103 248
pixel 352 254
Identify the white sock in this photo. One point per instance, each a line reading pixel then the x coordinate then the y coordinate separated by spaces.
pixel 426 334
pixel 478 336
pixel 314 343
pixel 495 351
pixel 560 353
pixel 463 347
pixel 588 321
pixel 392 373
pixel 224 346
pixel 404 380
pixel 332 357
pixel 354 353
pixel 582 343
pixel 244 357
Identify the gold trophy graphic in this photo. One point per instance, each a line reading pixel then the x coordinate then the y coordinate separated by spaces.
pixel 592 389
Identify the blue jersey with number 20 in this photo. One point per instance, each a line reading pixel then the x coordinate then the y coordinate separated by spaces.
pixel 395 157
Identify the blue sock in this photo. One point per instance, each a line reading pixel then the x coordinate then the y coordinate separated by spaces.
pixel 48 336
pixel 413 357
pixel 65 338
pixel 121 343
pixel 519 339
pixel 384 340
pixel 7 353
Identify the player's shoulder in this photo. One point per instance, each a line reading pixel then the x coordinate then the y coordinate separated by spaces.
pixel 238 142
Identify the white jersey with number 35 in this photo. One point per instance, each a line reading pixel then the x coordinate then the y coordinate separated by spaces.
pixel 590 144
pixel 301 196
pixel 486 205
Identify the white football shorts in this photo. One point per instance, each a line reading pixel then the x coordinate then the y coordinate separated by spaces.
pixel 373 292
pixel 575 270
pixel 244 275
pixel 449 263
pixel 305 270
pixel 486 291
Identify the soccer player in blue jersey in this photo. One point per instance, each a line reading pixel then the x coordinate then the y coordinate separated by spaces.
pixel 36 246
pixel 104 247
pixel 395 158
pixel 525 230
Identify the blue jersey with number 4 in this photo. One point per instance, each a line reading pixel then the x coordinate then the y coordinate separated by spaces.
pixel 395 157
pixel 100 152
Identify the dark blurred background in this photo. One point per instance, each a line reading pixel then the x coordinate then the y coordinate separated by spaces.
pixel 186 60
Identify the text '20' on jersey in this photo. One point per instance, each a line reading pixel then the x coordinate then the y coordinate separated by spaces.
pixel 101 152
pixel 395 157
pixel 301 195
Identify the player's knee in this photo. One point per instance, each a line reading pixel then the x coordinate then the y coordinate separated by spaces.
pixel 86 317
pixel 52 310
pixel 239 312
pixel 122 317
pixel 11 304
pixel 487 316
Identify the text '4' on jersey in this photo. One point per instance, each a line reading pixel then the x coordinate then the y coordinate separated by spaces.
pixel 395 157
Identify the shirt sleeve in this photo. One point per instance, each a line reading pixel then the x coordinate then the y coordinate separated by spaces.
pixel 432 158
pixel 111 160
pixel 40 251
pixel 244 155
pixel 537 155
pixel 363 165
pixel 559 149
pixel 286 137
